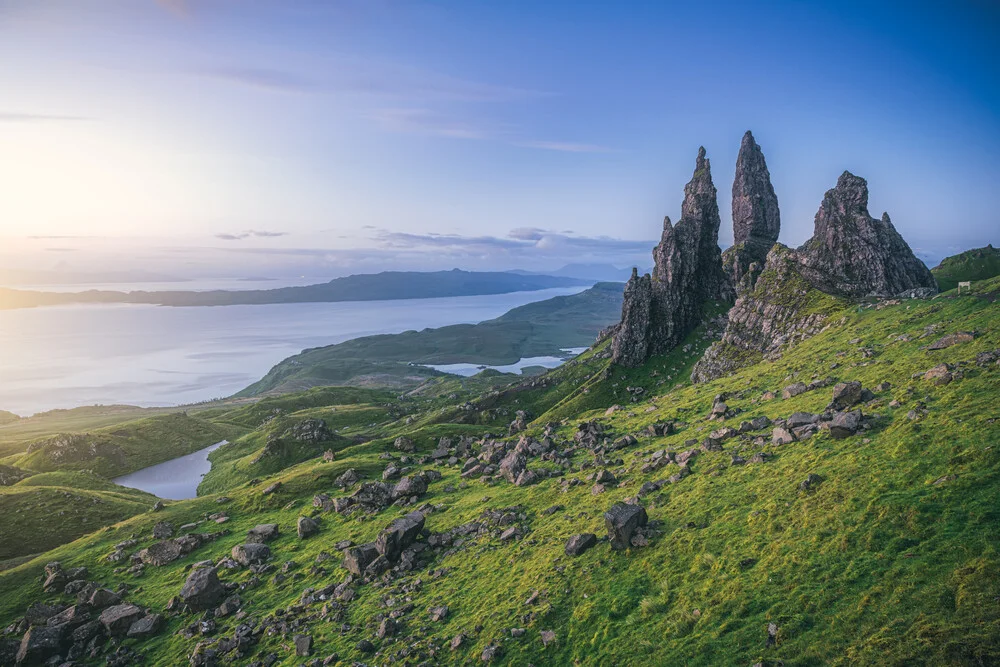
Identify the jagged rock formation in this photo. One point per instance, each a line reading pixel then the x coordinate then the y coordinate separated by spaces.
pixel 852 254
pixel 756 218
pixel 659 311
pixel 763 322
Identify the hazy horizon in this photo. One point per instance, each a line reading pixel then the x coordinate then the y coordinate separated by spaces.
pixel 205 138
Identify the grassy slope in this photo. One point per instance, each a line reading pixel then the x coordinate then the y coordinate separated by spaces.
pixel 51 509
pixel 975 264
pixel 143 443
pixel 880 565
pixel 535 329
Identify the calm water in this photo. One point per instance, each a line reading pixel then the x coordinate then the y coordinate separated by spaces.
pixel 67 356
pixel 176 479
pixel 469 370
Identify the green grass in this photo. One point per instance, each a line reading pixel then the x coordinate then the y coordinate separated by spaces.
pixel 976 264
pixel 892 560
pixel 124 448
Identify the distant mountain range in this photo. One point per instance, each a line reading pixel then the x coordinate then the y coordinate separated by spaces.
pixel 388 285
pixel 590 272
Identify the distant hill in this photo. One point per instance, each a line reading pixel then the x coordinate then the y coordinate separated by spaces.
pixel 388 285
pixel 535 329
pixel 975 264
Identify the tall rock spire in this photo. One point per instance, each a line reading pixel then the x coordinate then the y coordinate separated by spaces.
pixel 852 254
pixel 660 311
pixel 756 218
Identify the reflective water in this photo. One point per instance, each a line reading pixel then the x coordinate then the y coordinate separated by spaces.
pixel 176 479
pixel 67 356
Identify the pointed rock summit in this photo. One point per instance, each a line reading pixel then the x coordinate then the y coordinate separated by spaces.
pixel 852 254
pixel 756 218
pixel 659 311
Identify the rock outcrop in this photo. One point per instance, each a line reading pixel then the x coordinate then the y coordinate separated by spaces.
pixel 756 218
pixel 659 311
pixel 852 254
pixel 775 314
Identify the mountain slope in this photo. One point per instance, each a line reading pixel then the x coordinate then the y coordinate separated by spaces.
pixel 975 264
pixel 875 548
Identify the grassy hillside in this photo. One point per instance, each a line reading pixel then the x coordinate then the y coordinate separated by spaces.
pixel 127 447
pixel 975 264
pixel 888 557
pixel 536 329
pixel 51 509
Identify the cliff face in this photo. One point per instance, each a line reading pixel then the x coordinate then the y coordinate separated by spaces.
pixel 851 255
pixel 780 310
pixel 660 310
pixel 756 218
pixel 854 255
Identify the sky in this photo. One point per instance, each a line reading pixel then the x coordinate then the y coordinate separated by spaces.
pixel 322 138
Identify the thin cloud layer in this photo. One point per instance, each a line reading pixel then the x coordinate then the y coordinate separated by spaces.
pixel 250 233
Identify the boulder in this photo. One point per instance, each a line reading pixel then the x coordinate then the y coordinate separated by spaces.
pixel 621 521
pixel 160 553
pixel 147 626
pixel 163 530
pixel 512 466
pixel 794 390
pixel 306 527
pixel 303 645
pixel 952 339
pixel 415 485
pixel 810 483
pixel 357 559
pixel 846 394
pixel 801 419
pixel 262 533
pixel 782 436
pixel 400 534
pixel 404 444
pixel 40 643
pixel 102 598
pixel 251 553
pixel 203 590
pixel 845 424
pixel 117 620
pixel 579 543
pixel 939 375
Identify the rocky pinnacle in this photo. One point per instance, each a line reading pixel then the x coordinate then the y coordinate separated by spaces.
pixel 756 218
pixel 852 254
pixel 660 311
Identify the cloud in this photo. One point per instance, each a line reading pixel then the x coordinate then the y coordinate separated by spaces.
pixel 271 80
pixel 250 233
pixel 565 147
pixel 426 122
pixel 12 117
pixel 522 239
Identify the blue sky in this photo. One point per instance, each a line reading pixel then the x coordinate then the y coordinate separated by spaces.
pixel 325 138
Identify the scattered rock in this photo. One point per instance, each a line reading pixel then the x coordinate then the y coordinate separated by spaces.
pixel 622 520
pixel 577 544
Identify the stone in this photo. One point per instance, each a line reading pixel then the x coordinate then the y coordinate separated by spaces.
pixel 406 487
pixel 579 543
pixel 303 645
pixel 621 520
pixel 660 310
pixel 952 339
pixel 512 466
pixel 846 395
pixel 160 553
pixel 357 559
pixel 306 527
pixel 262 533
pixel 163 530
pixel 147 626
pixel 251 553
pixel 797 419
pixel 939 375
pixel 845 424
pixel 810 483
pixel 117 620
pixel 756 218
pixel 387 628
pixel 491 652
pixel 203 590
pixel 40 643
pixel 782 436
pixel 400 534
pixel 548 637
pixel 39 613
pixel 102 598
pixel 438 613
pixel 404 444
pixel 349 478
pixel 851 254
pixel 794 390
